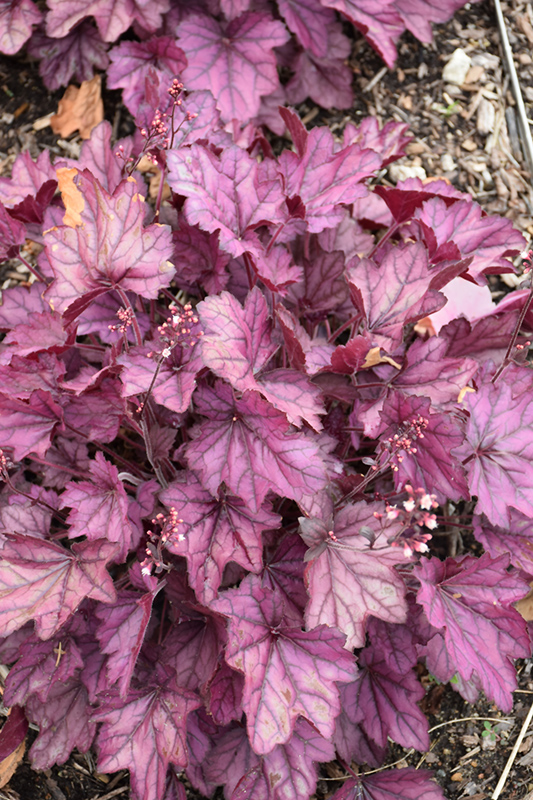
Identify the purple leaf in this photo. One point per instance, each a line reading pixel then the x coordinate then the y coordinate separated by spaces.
pixel 230 194
pixel 396 292
pixel 113 17
pixel 39 667
pixel 378 21
pixel 384 702
pixel 471 599
pixel 289 771
pixel 516 539
pixel 323 288
pixel 175 381
pixel 308 20
pixel 16 20
pixel 99 507
pixel 235 62
pixel 64 724
pixel 24 375
pixel 423 454
pixel 487 239
pixel 224 695
pixel 192 648
pixel 121 633
pixel 110 248
pixel 412 193
pixel 100 158
pixel 26 427
pixel 351 572
pixel 27 177
pixel 38 332
pixel 199 260
pixel 430 374
pixel 284 572
pixel 20 301
pixel 498 450
pixel 23 515
pixel 237 344
pixel 324 177
pixel 215 532
pixel 393 784
pixel 42 581
pixel 388 141
pixel 287 672
pixel 326 80
pixel 250 446
pixel 97 413
pixel 418 15
pixel 75 55
pixel 130 62
pixel 12 235
pixel 145 733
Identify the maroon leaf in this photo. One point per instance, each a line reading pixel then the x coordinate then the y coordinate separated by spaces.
pixel 13 732
pixel 471 599
pixel 287 672
pixel 515 540
pixel 42 581
pixel 192 648
pixel 39 667
pixel 26 427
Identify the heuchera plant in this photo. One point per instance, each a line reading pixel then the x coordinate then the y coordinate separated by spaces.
pixel 231 421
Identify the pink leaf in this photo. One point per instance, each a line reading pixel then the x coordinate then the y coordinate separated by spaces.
pixel 516 539
pixel 498 451
pixel 145 733
pixel 40 665
pixel 378 20
pixel 230 194
pixel 16 20
pixel 393 784
pixel 425 455
pixel 471 599
pixel 324 177
pixel 249 445
pixel 121 633
pixel 110 248
pixel 99 507
pixel 215 532
pixel 42 581
pixel 27 177
pixel 64 721
pixel 113 17
pixel 308 20
pixel 235 62
pixel 287 672
pixel 26 426
pixel 75 55
pixel 351 573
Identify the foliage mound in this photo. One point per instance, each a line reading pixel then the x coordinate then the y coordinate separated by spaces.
pixel 231 422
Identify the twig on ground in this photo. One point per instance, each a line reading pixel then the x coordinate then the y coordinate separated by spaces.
pixel 109 795
pixel 514 751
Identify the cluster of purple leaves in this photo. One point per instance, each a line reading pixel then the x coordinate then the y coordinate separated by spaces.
pixel 231 47
pixel 226 438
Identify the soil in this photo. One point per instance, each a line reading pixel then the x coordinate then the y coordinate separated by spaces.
pixel 470 744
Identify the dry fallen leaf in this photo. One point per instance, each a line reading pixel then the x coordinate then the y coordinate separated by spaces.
pixel 525 606
pixel 79 109
pixel 9 765
pixel 71 196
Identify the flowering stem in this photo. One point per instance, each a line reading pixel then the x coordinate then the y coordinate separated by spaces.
pixel 125 299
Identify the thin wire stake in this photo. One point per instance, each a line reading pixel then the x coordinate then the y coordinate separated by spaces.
pixel 510 760
pixel 527 141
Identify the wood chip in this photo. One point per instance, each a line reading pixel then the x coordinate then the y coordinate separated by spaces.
pixel 469 145
pixel 486 115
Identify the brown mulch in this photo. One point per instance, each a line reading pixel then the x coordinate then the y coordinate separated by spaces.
pixel 466 133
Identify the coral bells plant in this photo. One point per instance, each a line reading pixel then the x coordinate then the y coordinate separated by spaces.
pixel 231 421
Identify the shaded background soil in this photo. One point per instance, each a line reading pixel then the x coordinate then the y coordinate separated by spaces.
pixel 465 133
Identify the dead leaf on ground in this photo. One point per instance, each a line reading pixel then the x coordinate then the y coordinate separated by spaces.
pixel 525 606
pixel 80 109
pixel 9 765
